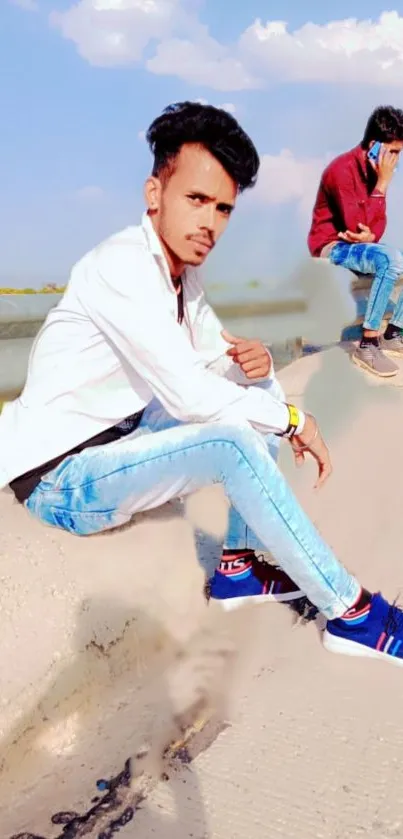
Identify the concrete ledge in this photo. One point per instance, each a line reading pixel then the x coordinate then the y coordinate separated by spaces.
pixel 14 355
pixel 91 633
pixel 95 635
pixel 26 308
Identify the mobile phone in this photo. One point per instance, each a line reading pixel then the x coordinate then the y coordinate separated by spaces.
pixel 374 152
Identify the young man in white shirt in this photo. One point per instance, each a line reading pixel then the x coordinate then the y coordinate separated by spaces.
pixel 135 396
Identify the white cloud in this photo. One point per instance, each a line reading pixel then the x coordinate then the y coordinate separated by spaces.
pixel 205 63
pixel 89 193
pixel 141 135
pixel 115 32
pixel 27 5
pixel 284 179
pixel 343 51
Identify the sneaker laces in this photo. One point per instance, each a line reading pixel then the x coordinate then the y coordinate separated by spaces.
pixel 263 561
pixel 394 619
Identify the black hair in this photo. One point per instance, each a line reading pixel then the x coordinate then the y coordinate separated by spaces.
pixel 213 128
pixel 385 125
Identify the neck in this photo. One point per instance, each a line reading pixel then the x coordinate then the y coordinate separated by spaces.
pixel 175 265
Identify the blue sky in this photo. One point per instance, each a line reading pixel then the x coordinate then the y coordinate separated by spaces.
pixel 81 80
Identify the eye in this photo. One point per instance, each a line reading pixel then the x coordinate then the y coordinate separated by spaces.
pixel 225 209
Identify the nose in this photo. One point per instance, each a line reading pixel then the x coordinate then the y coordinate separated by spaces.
pixel 208 217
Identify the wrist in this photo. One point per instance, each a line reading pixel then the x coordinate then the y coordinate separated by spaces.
pixel 310 426
pixel 302 423
pixel 381 186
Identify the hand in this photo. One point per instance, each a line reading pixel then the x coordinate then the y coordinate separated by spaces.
pixel 352 238
pixel 251 355
pixel 312 441
pixel 386 166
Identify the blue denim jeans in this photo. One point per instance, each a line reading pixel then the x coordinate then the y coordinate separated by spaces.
pixel 386 264
pixel 103 487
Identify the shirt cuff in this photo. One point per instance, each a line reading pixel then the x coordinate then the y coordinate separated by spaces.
pixel 286 422
pixel 301 424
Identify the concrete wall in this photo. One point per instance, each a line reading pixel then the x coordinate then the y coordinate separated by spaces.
pixel 91 628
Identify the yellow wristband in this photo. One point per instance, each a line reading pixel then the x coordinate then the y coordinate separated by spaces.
pixel 293 415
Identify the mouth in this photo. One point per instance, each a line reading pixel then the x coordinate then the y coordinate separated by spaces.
pixel 202 245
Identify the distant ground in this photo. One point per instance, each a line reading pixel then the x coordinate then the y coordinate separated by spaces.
pixel 48 289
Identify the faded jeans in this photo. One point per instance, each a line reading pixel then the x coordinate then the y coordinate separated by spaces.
pixel 103 487
pixel 386 264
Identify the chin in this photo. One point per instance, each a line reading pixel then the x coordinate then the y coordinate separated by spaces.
pixel 196 258
pixel 195 261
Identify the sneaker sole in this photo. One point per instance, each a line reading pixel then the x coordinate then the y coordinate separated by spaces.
pixel 341 646
pixel 232 603
pixel 359 363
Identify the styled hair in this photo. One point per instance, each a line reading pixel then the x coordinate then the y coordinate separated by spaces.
pixel 212 128
pixel 385 125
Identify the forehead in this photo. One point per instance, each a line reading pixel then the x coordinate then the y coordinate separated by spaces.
pixel 197 170
pixel 397 145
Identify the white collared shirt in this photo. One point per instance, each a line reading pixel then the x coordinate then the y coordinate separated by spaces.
pixel 113 343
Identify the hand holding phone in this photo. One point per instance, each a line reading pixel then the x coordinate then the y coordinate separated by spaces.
pixel 374 153
pixel 387 165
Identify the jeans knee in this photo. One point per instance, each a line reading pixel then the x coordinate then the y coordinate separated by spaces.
pixel 393 261
pixel 243 441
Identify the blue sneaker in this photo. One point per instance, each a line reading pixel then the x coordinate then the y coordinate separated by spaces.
pixel 379 634
pixel 253 582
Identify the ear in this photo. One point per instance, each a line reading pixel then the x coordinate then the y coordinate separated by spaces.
pixel 152 193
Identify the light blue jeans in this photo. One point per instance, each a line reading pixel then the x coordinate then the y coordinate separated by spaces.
pixel 103 487
pixel 386 264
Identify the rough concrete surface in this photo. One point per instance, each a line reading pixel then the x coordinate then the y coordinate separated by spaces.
pixel 105 641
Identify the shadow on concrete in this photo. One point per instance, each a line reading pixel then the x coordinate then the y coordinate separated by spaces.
pixel 105 712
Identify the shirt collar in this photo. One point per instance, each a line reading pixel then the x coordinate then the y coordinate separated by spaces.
pixel 359 155
pixel 156 249
pixel 152 239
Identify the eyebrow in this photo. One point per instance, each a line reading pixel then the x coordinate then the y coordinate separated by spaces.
pixel 222 204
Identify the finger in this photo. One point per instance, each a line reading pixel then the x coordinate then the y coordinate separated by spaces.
pixel 240 356
pixel 364 227
pixel 299 458
pixel 390 159
pixel 231 339
pixel 250 353
pixel 325 470
pixel 256 364
pixel 251 361
pixel 257 372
